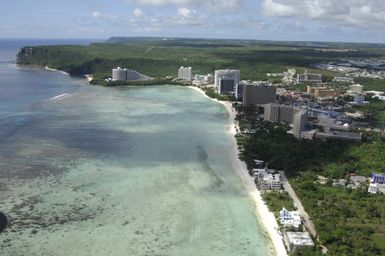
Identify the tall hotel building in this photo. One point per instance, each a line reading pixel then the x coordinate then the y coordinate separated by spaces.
pixel 226 80
pixel 185 73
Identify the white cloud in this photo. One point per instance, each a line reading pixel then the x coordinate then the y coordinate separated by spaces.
pixel 272 8
pixel 137 13
pixel 186 13
pixel 357 13
pixel 161 2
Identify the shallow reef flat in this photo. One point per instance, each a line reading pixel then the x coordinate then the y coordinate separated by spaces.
pixel 138 171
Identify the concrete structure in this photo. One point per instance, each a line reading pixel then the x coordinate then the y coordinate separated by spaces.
pixel 258 94
pixel 309 78
pixel 288 77
pixel 269 181
pixel 279 113
pixel 356 182
pixel 226 81
pixel 119 74
pixel 209 79
pixel 377 178
pixel 290 218
pixel 339 135
pixel 377 94
pixel 359 99
pixel 343 79
pixel 294 240
pixel 185 73
pixel 320 92
pixel 299 122
pixel 356 89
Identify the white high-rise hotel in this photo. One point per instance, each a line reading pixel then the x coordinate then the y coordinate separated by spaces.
pixel 226 80
pixel 185 73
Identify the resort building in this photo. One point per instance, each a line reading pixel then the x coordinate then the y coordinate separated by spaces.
pixel 258 94
pixel 269 181
pixel 355 89
pixel 309 78
pixel 185 73
pixel 290 218
pixel 320 92
pixel 299 122
pixel 279 113
pixel 296 240
pixel 124 74
pixel 343 79
pixel 226 81
pixel 119 74
pixel 359 99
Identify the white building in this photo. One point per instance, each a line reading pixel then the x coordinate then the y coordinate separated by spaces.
pixel 343 79
pixel 119 74
pixel 295 240
pixel 377 94
pixel 356 89
pixel 226 80
pixel 269 181
pixel 185 73
pixel 309 77
pixel 290 218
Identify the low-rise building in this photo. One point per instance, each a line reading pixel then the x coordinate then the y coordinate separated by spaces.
pixel 290 218
pixel 355 89
pixel 296 240
pixel 343 79
pixel 320 92
pixel 309 78
pixel 269 180
pixel 354 136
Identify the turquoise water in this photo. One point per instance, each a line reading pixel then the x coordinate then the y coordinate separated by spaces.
pixel 112 171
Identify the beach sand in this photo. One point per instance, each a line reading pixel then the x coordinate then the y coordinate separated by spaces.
pixel 267 218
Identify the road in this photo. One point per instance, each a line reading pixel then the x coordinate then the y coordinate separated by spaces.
pixel 307 222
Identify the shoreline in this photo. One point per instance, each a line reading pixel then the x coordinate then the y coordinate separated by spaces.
pixel 265 217
pixel 55 70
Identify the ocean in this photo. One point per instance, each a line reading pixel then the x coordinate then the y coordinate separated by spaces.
pixel 88 170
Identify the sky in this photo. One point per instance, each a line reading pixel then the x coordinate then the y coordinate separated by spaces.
pixel 294 20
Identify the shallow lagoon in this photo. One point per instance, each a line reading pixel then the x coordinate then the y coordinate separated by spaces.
pixel 113 171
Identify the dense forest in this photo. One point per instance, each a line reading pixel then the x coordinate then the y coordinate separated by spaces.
pixel 160 58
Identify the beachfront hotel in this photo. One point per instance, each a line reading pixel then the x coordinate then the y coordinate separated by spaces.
pixel 185 73
pixel 226 80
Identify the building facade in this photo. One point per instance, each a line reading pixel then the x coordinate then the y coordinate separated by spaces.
pixel 185 73
pixel 119 74
pixel 226 81
pixel 309 78
pixel 299 122
pixel 279 113
pixel 258 94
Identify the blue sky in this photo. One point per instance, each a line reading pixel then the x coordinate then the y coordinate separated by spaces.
pixel 304 20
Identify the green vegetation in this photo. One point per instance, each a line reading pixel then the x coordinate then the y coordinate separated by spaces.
pixel 212 94
pixel 374 112
pixel 349 222
pixel 333 158
pixel 159 58
pixel 276 200
pixel 371 84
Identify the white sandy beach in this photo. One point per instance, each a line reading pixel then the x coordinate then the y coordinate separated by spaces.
pixel 55 70
pixel 266 217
